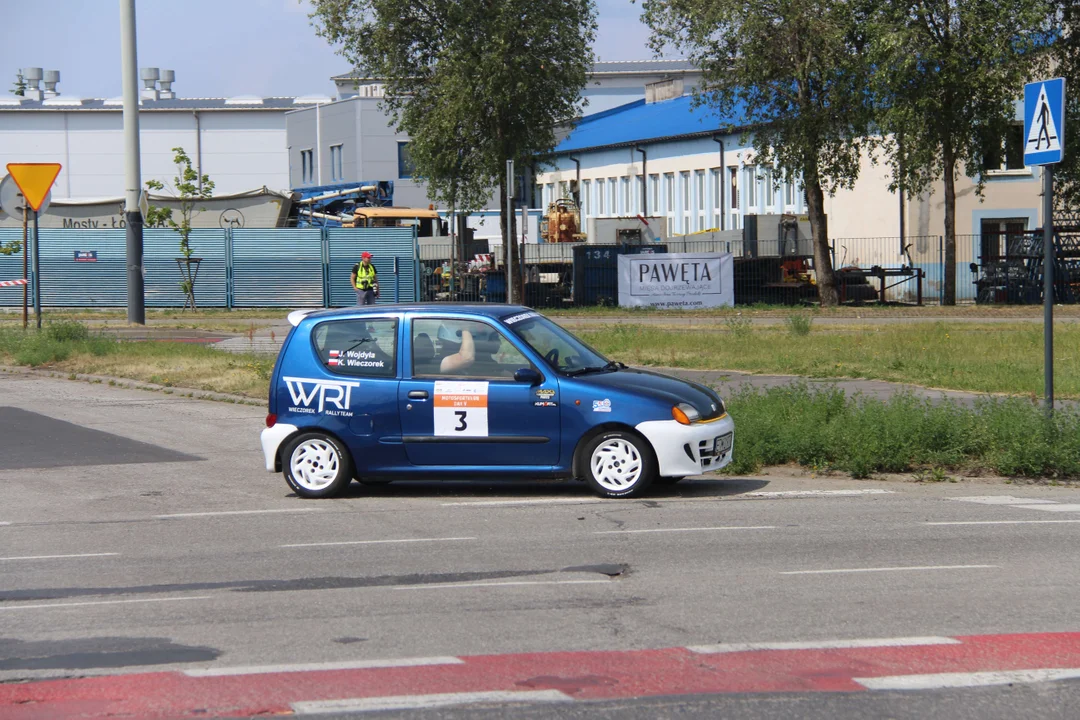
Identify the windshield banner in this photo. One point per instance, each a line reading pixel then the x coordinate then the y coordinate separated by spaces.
pixel 677 280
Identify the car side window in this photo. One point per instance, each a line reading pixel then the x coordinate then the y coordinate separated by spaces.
pixel 463 348
pixel 366 348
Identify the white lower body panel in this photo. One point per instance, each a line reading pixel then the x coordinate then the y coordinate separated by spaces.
pixel 683 450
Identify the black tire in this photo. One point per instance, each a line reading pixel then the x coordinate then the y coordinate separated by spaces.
pixel 324 466
pixel 632 465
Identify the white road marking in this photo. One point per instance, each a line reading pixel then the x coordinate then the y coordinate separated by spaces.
pixel 57 557
pixel 236 512
pixel 542 501
pixel 824 644
pixel 817 493
pixel 960 680
pixel 1002 522
pixel 509 583
pixel 102 602
pixel 1000 500
pixel 310 667
pixel 1056 507
pixel 5 523
pixel 887 569
pixel 416 702
pixel 693 529
pixel 378 542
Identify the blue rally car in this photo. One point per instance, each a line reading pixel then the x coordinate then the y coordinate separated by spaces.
pixel 468 391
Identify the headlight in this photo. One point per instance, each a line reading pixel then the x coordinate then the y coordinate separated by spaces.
pixel 685 413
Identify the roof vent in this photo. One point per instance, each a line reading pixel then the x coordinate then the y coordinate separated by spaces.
pixel 663 90
pixel 312 100
pixel 244 100
pixel 149 77
pixel 51 77
pixel 32 76
pixel 168 77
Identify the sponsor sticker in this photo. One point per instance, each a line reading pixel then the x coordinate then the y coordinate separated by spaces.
pixel 545 393
pixel 461 409
pixel 545 403
pixel 520 316
pixel 601 405
pixel 318 396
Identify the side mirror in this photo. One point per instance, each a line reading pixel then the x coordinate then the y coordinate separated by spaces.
pixel 527 375
pixel 974 267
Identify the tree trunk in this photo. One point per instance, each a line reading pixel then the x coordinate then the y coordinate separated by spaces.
pixel 949 288
pixel 826 278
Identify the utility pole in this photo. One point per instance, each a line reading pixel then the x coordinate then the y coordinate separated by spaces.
pixel 133 220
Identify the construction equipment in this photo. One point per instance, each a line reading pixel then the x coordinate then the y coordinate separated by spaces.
pixel 333 205
pixel 562 223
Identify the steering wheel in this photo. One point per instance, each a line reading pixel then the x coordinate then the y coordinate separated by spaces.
pixel 552 356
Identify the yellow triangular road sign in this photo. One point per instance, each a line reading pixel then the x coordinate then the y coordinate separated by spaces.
pixel 34 180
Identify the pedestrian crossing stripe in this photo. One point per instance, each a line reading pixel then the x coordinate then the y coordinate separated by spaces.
pixel 1043 128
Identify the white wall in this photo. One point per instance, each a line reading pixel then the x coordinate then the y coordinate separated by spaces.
pixel 240 150
pixel 689 190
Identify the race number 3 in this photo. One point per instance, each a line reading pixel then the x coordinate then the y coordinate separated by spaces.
pixel 461 409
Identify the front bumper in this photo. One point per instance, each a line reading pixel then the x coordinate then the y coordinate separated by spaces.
pixel 271 438
pixel 683 450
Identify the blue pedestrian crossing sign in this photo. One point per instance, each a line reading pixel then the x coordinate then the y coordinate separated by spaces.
pixel 1044 122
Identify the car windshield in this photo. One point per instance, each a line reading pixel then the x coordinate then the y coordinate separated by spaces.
pixel 560 349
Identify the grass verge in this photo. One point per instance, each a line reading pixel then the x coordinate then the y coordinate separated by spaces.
pixel 70 346
pixel 823 429
pixel 997 358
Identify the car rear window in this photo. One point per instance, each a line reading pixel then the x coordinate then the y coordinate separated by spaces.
pixel 358 347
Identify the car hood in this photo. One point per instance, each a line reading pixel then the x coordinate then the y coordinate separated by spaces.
pixel 663 387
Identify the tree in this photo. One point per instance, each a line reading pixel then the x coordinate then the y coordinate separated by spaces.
pixel 793 71
pixel 188 189
pixel 19 88
pixel 474 83
pixel 947 76
pixel 1066 58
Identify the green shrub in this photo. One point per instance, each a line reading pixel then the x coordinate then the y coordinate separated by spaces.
pixel 799 325
pixel 822 428
pixel 67 331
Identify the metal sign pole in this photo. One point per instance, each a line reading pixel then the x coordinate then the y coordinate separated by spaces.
pixel 1049 257
pixel 37 273
pixel 509 232
pixel 25 268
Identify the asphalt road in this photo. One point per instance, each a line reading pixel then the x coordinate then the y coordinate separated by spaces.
pixel 144 550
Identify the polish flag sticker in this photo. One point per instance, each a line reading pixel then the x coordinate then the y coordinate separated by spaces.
pixel 335 353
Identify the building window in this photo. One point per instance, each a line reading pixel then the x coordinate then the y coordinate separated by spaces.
pixel 638 194
pixel 669 193
pixel 601 200
pixel 654 194
pixel 1008 153
pixel 717 196
pixel 586 201
pixel 336 163
pixel 733 178
pixel 624 185
pixel 749 188
pixel 769 189
pixel 789 193
pixel 307 166
pixel 404 161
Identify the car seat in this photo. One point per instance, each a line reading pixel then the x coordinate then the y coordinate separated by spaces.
pixel 423 355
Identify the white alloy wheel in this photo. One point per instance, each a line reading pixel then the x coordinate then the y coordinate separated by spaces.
pixel 315 464
pixel 616 464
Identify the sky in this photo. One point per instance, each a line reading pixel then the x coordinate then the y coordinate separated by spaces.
pixel 218 48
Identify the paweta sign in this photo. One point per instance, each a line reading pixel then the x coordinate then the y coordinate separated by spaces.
pixel 676 280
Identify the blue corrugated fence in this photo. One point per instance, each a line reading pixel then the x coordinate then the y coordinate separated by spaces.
pixel 238 268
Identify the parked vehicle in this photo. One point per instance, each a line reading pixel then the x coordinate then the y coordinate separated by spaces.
pixel 471 391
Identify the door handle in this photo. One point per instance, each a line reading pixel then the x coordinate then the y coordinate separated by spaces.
pixel 418 395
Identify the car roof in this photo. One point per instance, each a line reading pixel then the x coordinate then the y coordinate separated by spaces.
pixel 491 310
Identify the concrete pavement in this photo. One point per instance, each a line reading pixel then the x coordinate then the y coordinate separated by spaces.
pixel 189 558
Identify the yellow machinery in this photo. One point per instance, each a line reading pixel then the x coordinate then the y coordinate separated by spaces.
pixel 562 222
